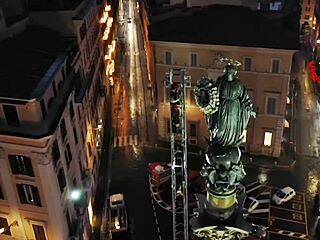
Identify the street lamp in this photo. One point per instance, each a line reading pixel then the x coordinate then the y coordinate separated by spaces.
pixel 75 194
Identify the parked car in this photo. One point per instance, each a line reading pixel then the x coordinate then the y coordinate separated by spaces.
pixel 117 214
pixel 250 204
pixel 159 172
pixel 283 195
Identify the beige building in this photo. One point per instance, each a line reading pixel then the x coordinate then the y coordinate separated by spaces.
pixel 265 71
pixel 307 17
pixel 52 110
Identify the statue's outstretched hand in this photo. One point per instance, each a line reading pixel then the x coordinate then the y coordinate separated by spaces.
pixel 253 114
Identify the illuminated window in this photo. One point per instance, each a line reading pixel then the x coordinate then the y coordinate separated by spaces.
pixel 307 17
pixel 244 134
pixel 168 59
pixel 267 139
pixel 193 59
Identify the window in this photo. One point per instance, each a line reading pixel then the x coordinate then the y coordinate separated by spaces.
pixel 79 113
pixel 43 109
pixel 63 129
pixel 54 89
pixel 1 194
pixel 11 115
pixel 192 99
pixel 63 74
pixel 75 135
pixel 61 179
pixel 275 66
pixel 59 85
pixel 70 225
pixel 50 102
pixel 167 95
pixel 271 105
pixel 71 110
pixel 193 59
pixel 275 6
pixel 4 224
pixel 28 194
pixel 307 17
pixel 247 64
pixel 308 9
pixel 267 139
pixel 168 126
pixel 68 155
pixel 193 130
pixel 168 59
pixel 39 232
pixel 55 152
pixel 21 165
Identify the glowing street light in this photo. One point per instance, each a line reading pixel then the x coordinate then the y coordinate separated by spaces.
pixel 75 194
pixel 2 230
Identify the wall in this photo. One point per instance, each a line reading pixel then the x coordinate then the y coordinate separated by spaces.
pixel 260 83
pixel 201 3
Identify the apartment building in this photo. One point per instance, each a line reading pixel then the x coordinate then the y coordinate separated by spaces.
pixel 197 41
pixel 309 10
pixel 52 110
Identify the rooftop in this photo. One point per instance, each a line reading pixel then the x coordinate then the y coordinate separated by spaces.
pixel 229 25
pixel 53 5
pixel 25 59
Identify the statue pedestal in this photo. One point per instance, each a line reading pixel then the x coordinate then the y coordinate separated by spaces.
pixel 220 206
pixel 223 220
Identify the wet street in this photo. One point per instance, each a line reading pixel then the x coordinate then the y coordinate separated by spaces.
pixel 131 125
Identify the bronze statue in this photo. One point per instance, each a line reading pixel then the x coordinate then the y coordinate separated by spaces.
pixel 227 107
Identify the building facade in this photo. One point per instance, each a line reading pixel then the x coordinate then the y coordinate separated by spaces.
pixel 52 112
pixel 308 17
pixel 264 72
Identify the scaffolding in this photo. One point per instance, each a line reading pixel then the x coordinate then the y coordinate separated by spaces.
pixel 177 81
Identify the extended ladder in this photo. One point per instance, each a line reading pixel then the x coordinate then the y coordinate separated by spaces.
pixel 177 81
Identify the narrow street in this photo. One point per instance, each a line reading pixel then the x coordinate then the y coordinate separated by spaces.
pixel 131 126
